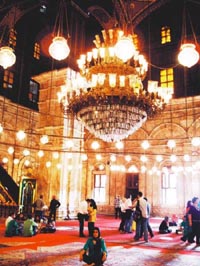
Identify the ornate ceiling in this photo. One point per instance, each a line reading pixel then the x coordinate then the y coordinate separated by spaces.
pixel 133 11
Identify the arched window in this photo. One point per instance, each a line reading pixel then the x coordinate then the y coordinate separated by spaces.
pixel 168 186
pixel 165 35
pixel 100 187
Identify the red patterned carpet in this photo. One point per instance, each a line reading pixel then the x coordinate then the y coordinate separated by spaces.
pixel 62 248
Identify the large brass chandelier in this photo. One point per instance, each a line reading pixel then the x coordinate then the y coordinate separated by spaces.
pixel 108 96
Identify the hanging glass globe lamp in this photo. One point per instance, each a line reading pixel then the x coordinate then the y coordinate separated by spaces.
pixel 59 48
pixel 7 57
pixel 188 55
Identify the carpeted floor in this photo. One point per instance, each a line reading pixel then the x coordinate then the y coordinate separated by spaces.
pixel 62 248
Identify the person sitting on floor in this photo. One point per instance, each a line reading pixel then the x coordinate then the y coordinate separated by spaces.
pixel 164 226
pixel 49 227
pixel 174 220
pixel 30 226
pixel 12 226
pixel 94 252
pixel 20 221
pixel 10 217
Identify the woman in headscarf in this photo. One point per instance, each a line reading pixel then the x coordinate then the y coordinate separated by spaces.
pixel 94 252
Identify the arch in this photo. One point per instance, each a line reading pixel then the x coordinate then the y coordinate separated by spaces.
pixel 141 133
pixel 194 129
pixel 170 130
pixel 25 170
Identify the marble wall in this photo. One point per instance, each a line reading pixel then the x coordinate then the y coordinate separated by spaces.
pixel 72 180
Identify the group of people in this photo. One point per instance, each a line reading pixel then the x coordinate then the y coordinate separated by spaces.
pixel 137 212
pixel 94 251
pixel 142 211
pixel 191 222
pixel 18 225
pixel 39 208
pixel 30 224
pixel 87 212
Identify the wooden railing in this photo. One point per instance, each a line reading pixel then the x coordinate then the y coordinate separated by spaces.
pixel 6 209
pixel 10 189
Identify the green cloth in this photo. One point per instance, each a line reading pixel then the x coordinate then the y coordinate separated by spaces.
pixel 29 225
pixel 12 228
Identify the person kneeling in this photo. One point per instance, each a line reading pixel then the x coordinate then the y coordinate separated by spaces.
pixel 94 252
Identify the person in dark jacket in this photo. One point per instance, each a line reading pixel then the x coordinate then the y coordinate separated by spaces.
pixel 54 205
pixel 194 221
pixel 164 226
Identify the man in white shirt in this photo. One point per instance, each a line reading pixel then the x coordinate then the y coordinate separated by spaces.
pixel 117 205
pixel 82 215
pixel 9 218
pixel 141 204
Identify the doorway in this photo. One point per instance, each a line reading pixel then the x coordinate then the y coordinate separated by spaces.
pixel 132 185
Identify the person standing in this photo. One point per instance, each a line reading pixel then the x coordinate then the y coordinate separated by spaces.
pixel 54 205
pixel 94 252
pixel 123 216
pixel 117 204
pixel 128 216
pixel 194 221
pixel 92 212
pixel 82 215
pixel 38 205
pixel 148 212
pixel 141 203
